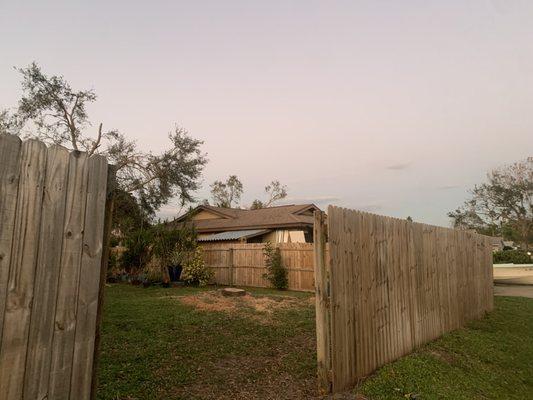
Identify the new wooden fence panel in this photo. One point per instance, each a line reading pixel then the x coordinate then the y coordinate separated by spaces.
pixel 243 264
pixel 394 285
pixel 52 206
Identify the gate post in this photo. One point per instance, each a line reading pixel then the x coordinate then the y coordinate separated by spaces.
pixel 108 223
pixel 323 329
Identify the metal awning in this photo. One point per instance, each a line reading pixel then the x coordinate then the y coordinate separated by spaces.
pixel 233 235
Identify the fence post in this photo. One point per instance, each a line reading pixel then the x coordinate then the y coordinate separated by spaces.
pixel 230 265
pixel 108 222
pixel 323 333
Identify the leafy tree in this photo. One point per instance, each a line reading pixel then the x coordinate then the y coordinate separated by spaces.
pixel 502 205
pixel 226 194
pixel 275 192
pixel 128 216
pixel 9 123
pixel 257 204
pixel 58 114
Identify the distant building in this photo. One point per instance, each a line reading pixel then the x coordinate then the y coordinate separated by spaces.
pixel 281 224
pixel 497 243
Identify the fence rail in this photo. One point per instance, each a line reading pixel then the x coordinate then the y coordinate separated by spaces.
pixel 52 212
pixel 244 264
pixel 393 285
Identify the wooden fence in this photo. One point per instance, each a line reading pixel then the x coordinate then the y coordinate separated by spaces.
pixel 52 216
pixel 244 264
pixel 389 286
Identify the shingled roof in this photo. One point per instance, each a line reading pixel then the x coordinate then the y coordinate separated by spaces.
pixel 288 216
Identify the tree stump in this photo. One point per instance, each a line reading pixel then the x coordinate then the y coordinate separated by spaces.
pixel 232 292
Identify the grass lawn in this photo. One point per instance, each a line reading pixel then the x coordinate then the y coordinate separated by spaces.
pixel 167 344
pixel 187 343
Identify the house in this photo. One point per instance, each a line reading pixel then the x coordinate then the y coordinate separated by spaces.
pixel 497 243
pixel 280 224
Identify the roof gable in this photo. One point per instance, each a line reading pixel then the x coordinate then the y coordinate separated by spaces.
pixel 287 216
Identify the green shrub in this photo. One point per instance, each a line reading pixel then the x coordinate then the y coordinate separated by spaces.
pixel 276 273
pixel 195 271
pixel 112 266
pixel 137 253
pixel 154 272
pixel 511 257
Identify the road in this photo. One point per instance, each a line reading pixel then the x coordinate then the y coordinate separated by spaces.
pixel 514 290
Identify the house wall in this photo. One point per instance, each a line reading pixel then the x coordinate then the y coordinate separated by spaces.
pixel 284 236
pixel 204 215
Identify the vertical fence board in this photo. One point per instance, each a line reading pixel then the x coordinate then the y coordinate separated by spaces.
pixel 322 305
pixel 46 275
pixel 65 319
pixel 89 282
pixel 108 224
pixel 22 269
pixel 9 182
pixel 395 285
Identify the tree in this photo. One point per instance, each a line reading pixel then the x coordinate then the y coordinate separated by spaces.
pixel 226 194
pixel 58 114
pixel 9 123
pixel 257 204
pixel 501 206
pixel 275 192
pixel 128 216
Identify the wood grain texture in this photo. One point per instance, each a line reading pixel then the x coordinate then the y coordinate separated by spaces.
pixel 244 264
pixel 395 285
pixel 52 214
pixel 323 334
pixel 47 274
pixel 9 182
pixel 89 282
pixel 25 248
pixel 67 294
pixel 108 225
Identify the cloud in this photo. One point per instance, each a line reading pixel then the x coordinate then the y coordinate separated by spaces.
pixel 399 166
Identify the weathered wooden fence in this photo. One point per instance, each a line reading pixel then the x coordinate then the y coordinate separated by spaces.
pixel 389 286
pixel 52 217
pixel 244 264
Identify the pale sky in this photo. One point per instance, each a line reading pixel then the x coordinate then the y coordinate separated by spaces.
pixel 393 107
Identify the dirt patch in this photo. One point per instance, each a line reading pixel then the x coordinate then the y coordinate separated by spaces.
pixel 443 356
pixel 257 307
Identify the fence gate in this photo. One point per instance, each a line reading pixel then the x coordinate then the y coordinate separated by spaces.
pixel 389 286
pixel 54 215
